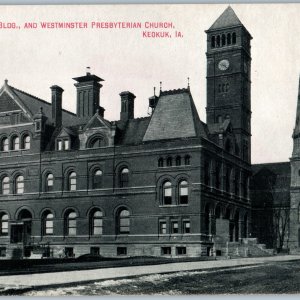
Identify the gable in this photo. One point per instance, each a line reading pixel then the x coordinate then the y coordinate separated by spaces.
pixel 7 104
pixel 97 121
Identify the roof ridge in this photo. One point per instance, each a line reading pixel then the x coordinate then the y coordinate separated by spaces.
pixel 39 99
pixel 174 91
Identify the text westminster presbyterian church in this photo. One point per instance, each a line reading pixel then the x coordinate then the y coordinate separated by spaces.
pixel 164 185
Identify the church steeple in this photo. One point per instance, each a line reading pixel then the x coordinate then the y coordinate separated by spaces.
pixel 296 133
pixel 227 19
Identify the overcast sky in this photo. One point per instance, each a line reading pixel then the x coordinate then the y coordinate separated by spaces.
pixel 34 59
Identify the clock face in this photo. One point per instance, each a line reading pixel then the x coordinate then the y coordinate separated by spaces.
pixel 223 64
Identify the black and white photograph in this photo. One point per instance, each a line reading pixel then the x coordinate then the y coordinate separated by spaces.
pixel 150 149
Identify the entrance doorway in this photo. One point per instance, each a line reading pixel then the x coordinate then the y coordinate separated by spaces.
pixel 21 231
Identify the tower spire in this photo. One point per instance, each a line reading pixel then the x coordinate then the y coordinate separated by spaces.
pixel 297 124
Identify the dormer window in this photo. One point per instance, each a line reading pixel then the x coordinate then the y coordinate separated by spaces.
pixel 63 144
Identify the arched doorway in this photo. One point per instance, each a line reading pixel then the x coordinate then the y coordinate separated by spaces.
pixel 21 230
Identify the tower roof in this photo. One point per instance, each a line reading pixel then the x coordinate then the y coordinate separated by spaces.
pixel 297 125
pixel 227 19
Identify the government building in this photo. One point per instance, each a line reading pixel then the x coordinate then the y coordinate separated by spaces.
pixel 164 185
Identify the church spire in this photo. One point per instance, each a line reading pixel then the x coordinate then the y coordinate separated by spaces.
pixel 296 133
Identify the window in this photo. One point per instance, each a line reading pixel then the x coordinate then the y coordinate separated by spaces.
pixel 19 184
pixel 228 39
pixel 218 41
pixel 167 193
pixel 237 183
pixel 162 227
pixel 124 222
pixel 187 160
pixel 213 42
pixel 121 251
pixel 181 250
pixel 234 38
pixel 66 144
pixel 165 250
pixel 183 192
pixel 15 143
pixel 70 223
pixel 97 179
pixel 169 162
pixel 178 161
pixel 160 162
pixel 4 225
pixel 59 145
pixel 218 176
pixel 186 226
pixel 49 182
pixel 124 178
pixel 96 222
pixel 26 142
pixel 4 144
pixel 47 223
pixel 227 180
pixel 72 181
pixel 174 227
pixel 223 40
pixel 97 142
pixel 69 252
pixel 5 186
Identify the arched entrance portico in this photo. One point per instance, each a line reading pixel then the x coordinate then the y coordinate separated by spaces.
pixel 21 230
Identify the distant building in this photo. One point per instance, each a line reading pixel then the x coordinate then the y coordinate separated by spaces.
pixel 167 184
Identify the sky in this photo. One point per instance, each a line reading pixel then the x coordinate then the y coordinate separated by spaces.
pixel 34 59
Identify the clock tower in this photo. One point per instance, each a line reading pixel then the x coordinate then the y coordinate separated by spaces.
pixel 228 78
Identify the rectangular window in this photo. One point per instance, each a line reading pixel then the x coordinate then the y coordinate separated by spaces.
pixel 66 144
pixel 163 227
pixel 121 251
pixel 165 250
pixel 97 226
pixel 59 145
pixel 180 250
pixel 175 227
pixel 49 227
pixel 124 225
pixel 95 251
pixel 2 251
pixel 186 227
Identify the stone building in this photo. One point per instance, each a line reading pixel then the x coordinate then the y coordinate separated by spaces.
pixel 167 184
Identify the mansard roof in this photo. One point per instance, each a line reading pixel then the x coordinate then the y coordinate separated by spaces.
pixel 175 116
pixel 227 19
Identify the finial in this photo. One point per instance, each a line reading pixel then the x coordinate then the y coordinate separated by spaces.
pixel 88 71
pixel 5 81
pixel 188 82
pixel 160 84
pixel 98 111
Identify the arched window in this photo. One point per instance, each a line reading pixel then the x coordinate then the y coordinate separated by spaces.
pixel 218 41
pixel 124 178
pixel 5 186
pixel 47 223
pixel 169 162
pixel 187 159
pixel 160 162
pixel 213 42
pixel 167 193
pixel 234 38
pixel 227 87
pixel 15 143
pixel 228 39
pixel 49 182
pixel 4 224
pixel 97 179
pixel 19 184
pixel 237 183
pixel 70 223
pixel 178 161
pixel 26 142
pixel 96 222
pixel 218 176
pixel 223 40
pixel 4 144
pixel 123 219
pixel 97 142
pixel 183 192
pixel 227 179
pixel 72 181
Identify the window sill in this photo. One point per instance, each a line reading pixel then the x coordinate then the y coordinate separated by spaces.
pixel 174 205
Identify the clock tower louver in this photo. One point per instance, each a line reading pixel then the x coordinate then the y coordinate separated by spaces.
pixel 228 78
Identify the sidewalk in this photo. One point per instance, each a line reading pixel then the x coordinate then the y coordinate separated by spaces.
pixel 23 282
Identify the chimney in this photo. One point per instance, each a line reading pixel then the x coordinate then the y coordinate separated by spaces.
pixel 88 95
pixel 127 106
pixel 56 99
